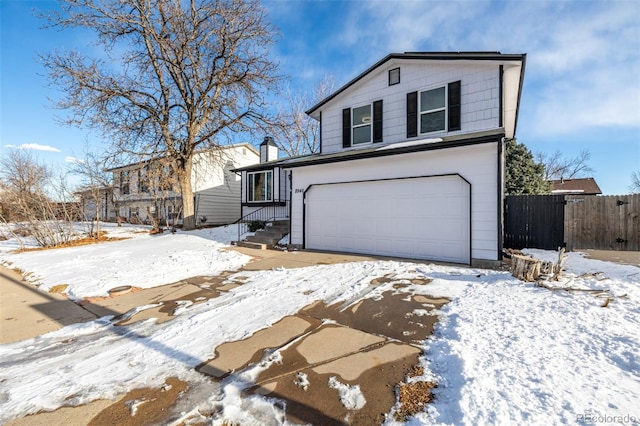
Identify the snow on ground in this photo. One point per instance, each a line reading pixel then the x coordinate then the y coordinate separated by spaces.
pixel 504 351
pixel 141 260
pixel 350 395
pixel 509 352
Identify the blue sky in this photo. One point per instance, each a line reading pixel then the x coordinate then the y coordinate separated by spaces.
pixel 582 80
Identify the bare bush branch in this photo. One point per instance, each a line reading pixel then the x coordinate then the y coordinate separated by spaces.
pixel 294 131
pixel 635 183
pixel 28 198
pixel 557 166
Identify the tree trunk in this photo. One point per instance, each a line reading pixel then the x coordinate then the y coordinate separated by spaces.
pixel 525 268
pixel 186 190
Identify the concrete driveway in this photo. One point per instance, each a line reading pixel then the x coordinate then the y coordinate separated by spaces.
pixel 371 345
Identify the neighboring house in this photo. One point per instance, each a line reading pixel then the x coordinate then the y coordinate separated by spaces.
pixel 67 210
pixel 95 203
pixel 584 186
pixel 146 189
pixel 411 161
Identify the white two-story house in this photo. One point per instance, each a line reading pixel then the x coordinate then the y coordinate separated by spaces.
pixel 411 160
pixel 146 189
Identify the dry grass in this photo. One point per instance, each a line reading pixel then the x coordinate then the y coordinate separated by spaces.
pixel 14 269
pixel 413 396
pixel 79 242
pixel 60 288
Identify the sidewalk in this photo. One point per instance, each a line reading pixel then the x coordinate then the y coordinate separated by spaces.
pixel 264 260
pixel 626 257
pixel 26 312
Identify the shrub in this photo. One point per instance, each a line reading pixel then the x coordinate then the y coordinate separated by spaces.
pixel 254 225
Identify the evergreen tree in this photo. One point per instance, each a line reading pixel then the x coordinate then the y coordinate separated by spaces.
pixel 523 174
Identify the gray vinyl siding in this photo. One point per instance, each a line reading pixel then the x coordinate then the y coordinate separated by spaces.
pixel 220 204
pixel 480 101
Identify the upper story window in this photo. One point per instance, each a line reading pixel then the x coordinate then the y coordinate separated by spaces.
pixel 143 180
pixel 434 110
pixel 165 178
pixel 124 182
pixel 394 76
pixel 361 125
pixel 260 186
pixel 433 114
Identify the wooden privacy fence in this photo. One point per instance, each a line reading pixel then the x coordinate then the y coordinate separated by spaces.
pixel 574 221
pixel 602 222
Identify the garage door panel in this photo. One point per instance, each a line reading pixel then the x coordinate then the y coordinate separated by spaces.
pixel 415 217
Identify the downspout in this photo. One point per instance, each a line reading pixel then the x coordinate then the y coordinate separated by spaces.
pixel 290 201
pixel 196 201
pixel 241 215
pixel 501 169
pixel 500 196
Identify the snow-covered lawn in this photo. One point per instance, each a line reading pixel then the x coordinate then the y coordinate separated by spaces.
pixel 504 351
pixel 141 260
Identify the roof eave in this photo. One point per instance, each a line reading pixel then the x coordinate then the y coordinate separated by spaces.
pixel 378 151
pixel 522 69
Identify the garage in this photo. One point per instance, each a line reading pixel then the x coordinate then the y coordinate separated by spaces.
pixel 418 217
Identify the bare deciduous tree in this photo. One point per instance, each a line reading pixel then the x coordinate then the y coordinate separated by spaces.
pixel 28 198
pixel 161 184
pixel 98 183
pixel 25 181
pixel 635 182
pixel 557 166
pixel 179 75
pixel 294 131
pixel 23 173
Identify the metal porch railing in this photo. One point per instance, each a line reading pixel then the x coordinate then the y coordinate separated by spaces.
pixel 279 210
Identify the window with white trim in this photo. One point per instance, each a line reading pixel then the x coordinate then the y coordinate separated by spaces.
pixel 433 110
pixel 124 182
pixel 143 182
pixel 260 186
pixel 361 125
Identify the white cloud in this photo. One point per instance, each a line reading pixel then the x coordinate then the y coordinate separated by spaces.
pixel 583 69
pixel 73 160
pixel 34 147
pixel 583 62
pixel 420 26
pixel 583 57
pixel 604 97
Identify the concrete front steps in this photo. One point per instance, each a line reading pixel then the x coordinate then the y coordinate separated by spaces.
pixel 267 237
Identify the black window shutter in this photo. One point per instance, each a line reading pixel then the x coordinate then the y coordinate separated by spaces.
pixel 320 135
pixel 412 114
pixel 346 127
pixel 454 106
pixel 377 121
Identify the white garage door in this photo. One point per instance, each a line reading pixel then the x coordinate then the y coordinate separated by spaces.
pixel 422 218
